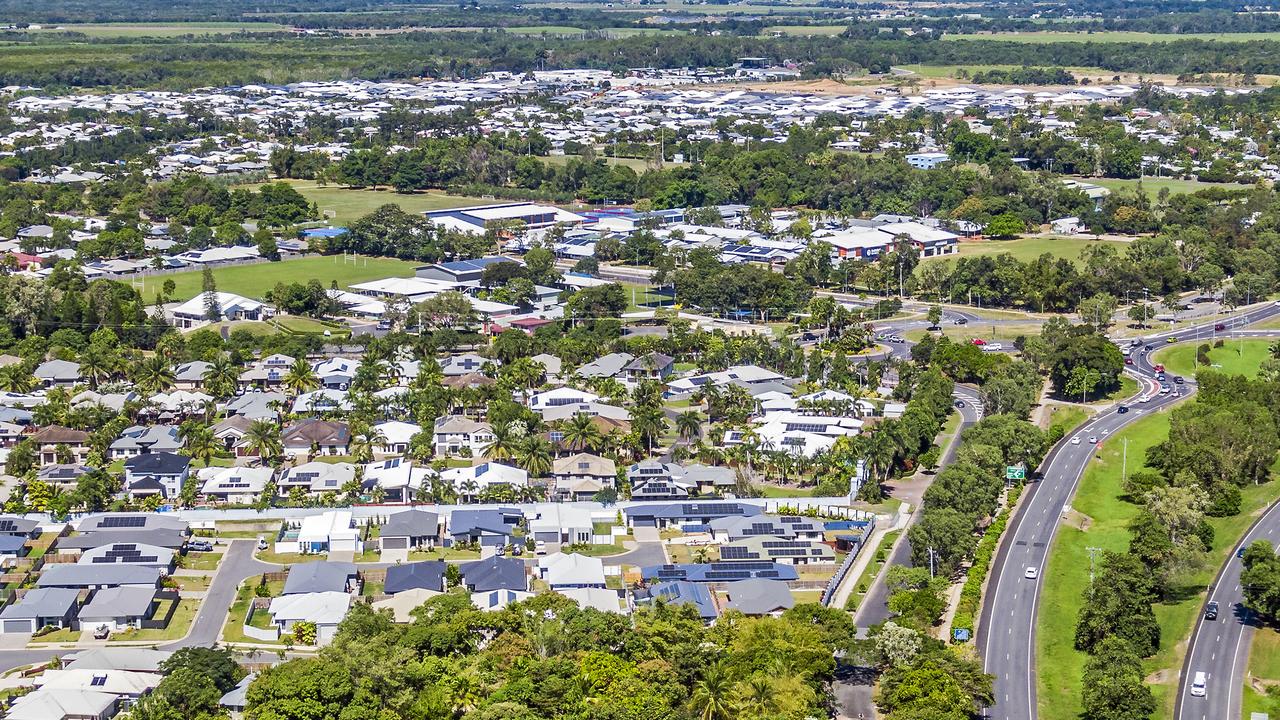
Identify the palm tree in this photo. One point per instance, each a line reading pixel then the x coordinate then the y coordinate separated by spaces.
pixel 710 697
pixel 263 439
pixel 221 377
pixel 95 364
pixel 534 455
pixel 153 375
pixel 649 424
pixel 17 379
pixel 689 425
pixel 200 441
pixel 581 433
pixel 301 377
pixel 503 445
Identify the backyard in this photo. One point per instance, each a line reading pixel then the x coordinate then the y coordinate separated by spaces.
pixel 177 628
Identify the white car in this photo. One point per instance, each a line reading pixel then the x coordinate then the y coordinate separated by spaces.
pixel 1093 439
pixel 1031 573
pixel 1075 440
pixel 1199 684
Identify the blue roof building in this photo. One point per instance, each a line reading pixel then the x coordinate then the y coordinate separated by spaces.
pixel 682 592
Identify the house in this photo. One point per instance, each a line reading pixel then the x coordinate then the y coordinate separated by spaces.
pixel 258 405
pixel 40 608
pixel 607 366
pixel 1067 226
pixel 133 659
pixel 320 577
pixel 654 480
pixel 119 608
pixel 686 514
pixel 786 527
pixel 57 373
pixel 19 527
pixel 489 528
pixel 461 272
pixel 316 477
pixel 492 600
pixel 330 531
pixel 398 478
pixel 156 473
pixel 325 609
pixel 719 572
pixel 456 436
pixel 108 522
pixel 49 440
pixel 562 571
pixel 651 366
pixel 551 365
pixel 472 481
pixel 129 554
pixel 190 375
pixel 64 705
pixel 581 476
pixel 564 524
pixel 396 436
pixel 775 549
pixel 237 698
pixel 12 547
pixel 127 685
pixel 590 409
pixel 759 596
pixel 494 573
pixel 237 485
pixel 230 434
pixel 161 538
pixel 560 396
pixel 927 160
pixel 196 312
pixel 312 436
pixel 64 476
pixel 415 576
pixel 10 434
pixel 410 529
pixel 138 440
pixel 596 598
pixel 323 400
pixel 687 593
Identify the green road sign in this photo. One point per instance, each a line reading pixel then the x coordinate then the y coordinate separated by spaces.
pixel 1015 472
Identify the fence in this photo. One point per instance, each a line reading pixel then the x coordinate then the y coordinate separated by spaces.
pixel 155 623
pixel 834 583
pixel 270 634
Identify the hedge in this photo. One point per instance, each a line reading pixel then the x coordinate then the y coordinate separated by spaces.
pixel 971 593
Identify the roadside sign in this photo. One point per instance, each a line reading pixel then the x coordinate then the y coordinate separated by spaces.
pixel 1015 472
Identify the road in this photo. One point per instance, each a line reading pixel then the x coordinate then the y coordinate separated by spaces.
pixel 1006 633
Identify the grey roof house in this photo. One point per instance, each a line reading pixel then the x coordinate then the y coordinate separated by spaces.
pixel 119 608
pixel 322 576
pixel 411 528
pixel 41 607
pixel 759 596
pixel 156 473
pixel 57 373
pixel 495 573
pixel 139 440
pixel 416 576
pixel 98 576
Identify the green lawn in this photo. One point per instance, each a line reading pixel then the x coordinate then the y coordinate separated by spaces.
pixel 310 326
pixel 65 635
pixel 1235 357
pixel 443 554
pixel 231 629
pixel 774 491
pixel 638 164
pixel 1030 248
pixel 165 29
pixel 255 280
pixel 1110 36
pixel 641 297
pixel 1059 665
pixel 203 560
pixel 1264 667
pixel 342 205
pixel 178 626
pixel 1069 417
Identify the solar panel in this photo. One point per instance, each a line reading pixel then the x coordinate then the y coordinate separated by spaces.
pixel 8 526
pixel 117 521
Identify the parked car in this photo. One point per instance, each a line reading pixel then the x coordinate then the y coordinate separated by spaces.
pixel 1128 361
pixel 101 632
pixel 199 546
pixel 540 547
pixel 1220 327
pixel 262 543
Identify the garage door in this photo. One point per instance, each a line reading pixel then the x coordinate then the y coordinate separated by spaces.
pixel 395 543
pixel 17 626
pixel 644 522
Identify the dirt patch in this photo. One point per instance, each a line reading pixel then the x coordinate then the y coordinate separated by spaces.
pixel 1159 677
pixel 1078 520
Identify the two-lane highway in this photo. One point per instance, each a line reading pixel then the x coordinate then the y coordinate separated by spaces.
pixel 1007 630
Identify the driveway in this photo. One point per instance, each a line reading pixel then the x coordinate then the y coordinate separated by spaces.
pixel 393 556
pixel 647 535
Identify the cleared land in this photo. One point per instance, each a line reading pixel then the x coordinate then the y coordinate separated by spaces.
pixel 1059 665
pixel 255 280
pixel 173 29
pixel 343 205
pixel 1153 185
pixel 1030 247
pixel 1111 36
pixel 1235 357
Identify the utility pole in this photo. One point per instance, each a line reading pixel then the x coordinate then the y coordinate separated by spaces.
pixel 932 570
pixel 1092 551
pixel 1124 464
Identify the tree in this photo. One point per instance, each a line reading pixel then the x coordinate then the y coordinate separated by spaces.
pixel 689 425
pixel 222 377
pixel 1083 380
pixel 1113 686
pixel 267 246
pixel 217 664
pixel 935 314
pixel 896 645
pixel 300 378
pixel 1118 603
pixel 153 375
pixel 535 455
pixel 209 290
pixel 1004 226
pixel 263 439
pixel 711 696
pixel 581 433
pixel 1261 579
pixel 199 440
pixel 1140 313
pixel 1098 309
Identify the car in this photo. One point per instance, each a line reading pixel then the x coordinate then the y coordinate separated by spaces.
pixel 979 342
pixel 517 550
pixel 1093 439
pixel 1164 390
pixel 1122 409
pixel 101 632
pixel 934 328
pixel 199 546
pixel 1159 367
pixel 1219 327
pixel 993 347
pixel 1170 341
pixel 1075 440
pixel 1147 347
pixel 1178 380
pixel 540 547
pixel 1211 610
pixel 1128 361
pixel 262 543
pixel 1160 377
pixel 1199 684
pixel 1240 552
pixel 960 321
pixel 1144 399
pixel 502 551
pixel 1134 343
pixel 959 403
pixel 1031 573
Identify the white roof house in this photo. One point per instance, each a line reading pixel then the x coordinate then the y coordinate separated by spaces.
pixel 192 313
pixel 325 609
pixel 329 531
pixel 571 570
pixel 601 599
pixel 485 475
pixel 235 484
pixel 62 704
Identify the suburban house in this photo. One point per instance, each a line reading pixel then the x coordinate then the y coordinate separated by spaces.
pixel 19 527
pixel 759 596
pixel 784 527
pixel 190 375
pixel 156 473
pixel 227 306
pixel 139 440
pixel 39 608
pixel 560 396
pixel 237 485
pixel 651 366
pixel 780 550
pixel 133 522
pixel 687 593
pixel 457 435
pixel 312 436
pixel 395 436
pixel 491 528
pixel 464 364
pixel 564 524
pixel 231 431
pixel 581 476
pixel 325 609
pixel 58 373
pixel 48 439
pixel 561 571
pixel 64 705
pixel 472 481
pixel 607 366
pixel 654 480
pixel 684 514
pixel 119 608
pixel 316 477
pixel 330 531
pixel 320 577
pixel 65 476
pixel 718 572
pixel 410 529
pixel 416 576
pixel 494 573
pixel 399 478
pixel 132 554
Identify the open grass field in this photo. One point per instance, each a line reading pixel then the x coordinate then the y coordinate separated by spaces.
pixel 343 205
pixel 804 30
pixel 1029 248
pixel 637 164
pixel 675 6
pixel 1068 416
pixel 1264 670
pixel 163 29
pixel 1235 357
pixel 1110 36
pixel 1153 185
pixel 255 280
pixel 1059 665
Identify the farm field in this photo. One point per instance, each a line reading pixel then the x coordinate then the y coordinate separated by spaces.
pixel 1111 36
pixel 161 29
pixel 1029 248
pixel 255 280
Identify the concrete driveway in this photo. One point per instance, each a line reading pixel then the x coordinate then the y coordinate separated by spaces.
pixel 393 556
pixel 647 534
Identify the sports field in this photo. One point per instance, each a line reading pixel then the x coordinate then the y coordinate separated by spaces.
pixel 342 205
pixel 1110 36
pixel 255 280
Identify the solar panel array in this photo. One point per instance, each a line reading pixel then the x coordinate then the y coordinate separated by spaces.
pixel 123 521
pixel 8 526
pixel 124 553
